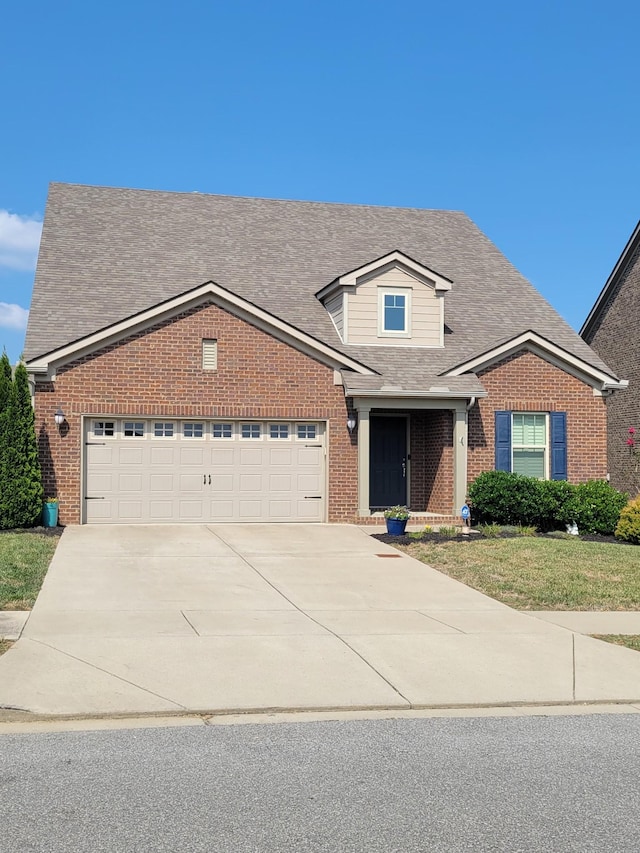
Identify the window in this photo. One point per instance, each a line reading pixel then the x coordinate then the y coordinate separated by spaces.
pixel 394 312
pixel 250 431
pixel 532 443
pixel 278 430
pixel 103 428
pixel 133 429
pixel 193 430
pixel 163 430
pixel 209 354
pixel 222 430
pixel 307 431
pixel 529 445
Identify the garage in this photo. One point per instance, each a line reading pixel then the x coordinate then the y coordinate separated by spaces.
pixel 162 470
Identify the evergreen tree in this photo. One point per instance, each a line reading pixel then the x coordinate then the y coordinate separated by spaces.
pixel 22 501
pixel 5 394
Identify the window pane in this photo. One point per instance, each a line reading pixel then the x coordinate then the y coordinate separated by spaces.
pixel 250 431
pixel 133 429
pixel 306 430
pixel 529 462
pixel 163 430
pixel 192 430
pixel 103 428
pixel 222 430
pixel 279 430
pixel 394 312
pixel 529 430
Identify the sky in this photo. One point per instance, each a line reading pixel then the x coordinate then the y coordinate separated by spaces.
pixel 522 115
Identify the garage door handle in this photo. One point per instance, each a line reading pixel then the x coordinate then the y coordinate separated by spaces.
pixel 209 479
pixel 204 479
pixel 313 497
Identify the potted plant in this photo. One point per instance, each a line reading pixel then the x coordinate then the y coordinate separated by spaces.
pixel 50 512
pixel 396 517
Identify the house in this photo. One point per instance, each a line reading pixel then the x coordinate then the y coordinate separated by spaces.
pixel 612 329
pixel 205 358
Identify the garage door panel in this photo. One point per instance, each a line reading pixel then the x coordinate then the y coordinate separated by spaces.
pixel 162 482
pixel 251 456
pixel 130 455
pixel 161 510
pixel 192 455
pixel 223 456
pixel 130 510
pixel 183 479
pixel 162 455
pixel 129 482
pixel 191 483
pixel 222 482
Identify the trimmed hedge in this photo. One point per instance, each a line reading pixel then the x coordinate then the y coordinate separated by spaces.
pixel 503 498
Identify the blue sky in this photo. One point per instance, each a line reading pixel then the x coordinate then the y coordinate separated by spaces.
pixel 522 115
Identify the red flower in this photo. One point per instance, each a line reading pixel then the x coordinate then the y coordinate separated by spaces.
pixel 630 442
pixel 632 431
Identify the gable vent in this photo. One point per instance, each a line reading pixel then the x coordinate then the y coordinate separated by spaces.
pixel 209 354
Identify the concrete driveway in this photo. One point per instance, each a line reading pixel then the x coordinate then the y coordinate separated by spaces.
pixel 263 617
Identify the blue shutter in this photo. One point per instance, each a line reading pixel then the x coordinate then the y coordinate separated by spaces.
pixel 558 425
pixel 503 441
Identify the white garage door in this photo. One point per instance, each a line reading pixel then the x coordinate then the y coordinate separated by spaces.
pixel 160 470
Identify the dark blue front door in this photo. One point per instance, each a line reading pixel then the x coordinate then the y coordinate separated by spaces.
pixel 388 462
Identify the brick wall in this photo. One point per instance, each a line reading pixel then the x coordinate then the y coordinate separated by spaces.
pixel 615 339
pixel 526 383
pixel 159 372
pixel 432 461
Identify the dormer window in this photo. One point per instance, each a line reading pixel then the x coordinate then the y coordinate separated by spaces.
pixel 391 301
pixel 394 312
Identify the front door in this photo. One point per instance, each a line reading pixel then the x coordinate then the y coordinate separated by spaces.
pixel 388 462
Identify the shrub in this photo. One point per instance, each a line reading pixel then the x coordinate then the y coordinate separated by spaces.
pixel 21 503
pixel 443 530
pixel 491 531
pixel 628 527
pixel 502 498
pixel 511 499
pixel 595 507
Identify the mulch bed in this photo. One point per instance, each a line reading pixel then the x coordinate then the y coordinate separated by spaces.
pixel 42 531
pixel 477 536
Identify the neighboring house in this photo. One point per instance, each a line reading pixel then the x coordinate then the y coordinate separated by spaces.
pixel 240 359
pixel 613 330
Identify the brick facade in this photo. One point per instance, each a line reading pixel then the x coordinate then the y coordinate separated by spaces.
pixel 159 372
pixel 615 338
pixel 524 382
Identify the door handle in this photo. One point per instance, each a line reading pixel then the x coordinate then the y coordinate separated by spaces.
pixel 404 468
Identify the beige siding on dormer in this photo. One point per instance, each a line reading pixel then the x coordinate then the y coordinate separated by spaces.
pixel 427 315
pixel 335 307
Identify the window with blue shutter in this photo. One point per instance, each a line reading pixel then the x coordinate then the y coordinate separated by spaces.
pixel 558 429
pixel 503 441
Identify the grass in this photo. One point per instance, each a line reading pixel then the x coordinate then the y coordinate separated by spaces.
pixel 5 645
pixel 24 560
pixel 631 641
pixel 539 573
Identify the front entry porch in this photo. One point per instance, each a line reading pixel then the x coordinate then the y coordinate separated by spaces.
pixel 412 453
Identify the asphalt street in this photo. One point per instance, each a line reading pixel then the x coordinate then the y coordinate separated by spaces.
pixel 486 784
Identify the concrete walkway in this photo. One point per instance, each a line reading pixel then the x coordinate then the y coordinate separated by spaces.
pixel 224 618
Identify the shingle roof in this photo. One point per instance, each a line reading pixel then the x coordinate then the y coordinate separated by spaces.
pixel 107 253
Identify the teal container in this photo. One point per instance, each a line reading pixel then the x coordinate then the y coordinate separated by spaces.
pixel 50 514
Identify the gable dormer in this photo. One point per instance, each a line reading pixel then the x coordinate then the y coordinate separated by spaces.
pixel 392 301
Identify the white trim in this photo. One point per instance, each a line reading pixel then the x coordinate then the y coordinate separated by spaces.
pixel 438 282
pixel 547 444
pixel 164 310
pixel 386 290
pixel 550 352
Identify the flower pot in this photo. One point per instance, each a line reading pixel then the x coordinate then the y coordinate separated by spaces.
pixel 396 526
pixel 50 514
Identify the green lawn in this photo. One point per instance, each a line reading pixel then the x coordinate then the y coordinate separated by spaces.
pixel 24 560
pixel 631 641
pixel 535 573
